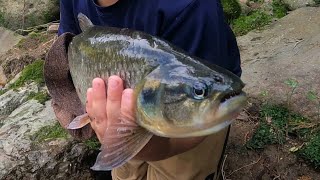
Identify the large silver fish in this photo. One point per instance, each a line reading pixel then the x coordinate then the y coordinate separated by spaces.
pixel 177 95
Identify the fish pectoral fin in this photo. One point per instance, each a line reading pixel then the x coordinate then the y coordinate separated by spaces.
pixel 79 122
pixel 121 143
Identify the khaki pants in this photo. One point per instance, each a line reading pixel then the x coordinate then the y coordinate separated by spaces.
pixel 200 163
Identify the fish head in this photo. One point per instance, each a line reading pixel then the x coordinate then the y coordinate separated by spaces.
pixel 188 101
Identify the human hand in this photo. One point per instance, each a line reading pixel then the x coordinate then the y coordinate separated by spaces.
pixel 108 108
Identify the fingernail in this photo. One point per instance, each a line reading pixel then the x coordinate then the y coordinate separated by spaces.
pixel 96 84
pixel 113 83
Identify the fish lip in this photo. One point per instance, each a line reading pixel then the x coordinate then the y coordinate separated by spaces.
pixel 231 94
pixel 193 132
pixel 234 104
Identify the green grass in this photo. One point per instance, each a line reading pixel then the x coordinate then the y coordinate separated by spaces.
pixel 255 20
pixel 279 9
pixel 49 133
pixel 3 21
pixel 21 42
pixel 311 151
pixel 231 9
pixel 38 36
pixel 93 143
pixel 243 24
pixel 2 91
pixel 272 127
pixel 317 2
pixel 41 97
pixel 31 73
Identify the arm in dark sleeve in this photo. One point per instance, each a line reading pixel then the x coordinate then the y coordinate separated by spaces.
pixel 68 22
pixel 201 30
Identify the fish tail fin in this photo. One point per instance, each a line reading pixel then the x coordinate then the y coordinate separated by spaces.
pixel 121 143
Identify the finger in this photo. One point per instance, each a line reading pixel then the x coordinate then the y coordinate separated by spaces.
pixel 89 101
pixel 99 100
pixel 89 108
pixel 115 88
pixel 127 104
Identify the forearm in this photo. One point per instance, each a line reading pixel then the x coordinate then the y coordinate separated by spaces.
pixel 160 148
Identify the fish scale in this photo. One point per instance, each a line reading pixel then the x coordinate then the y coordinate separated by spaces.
pixel 177 95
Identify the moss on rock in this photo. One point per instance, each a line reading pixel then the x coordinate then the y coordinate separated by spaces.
pixel 49 132
pixel 31 73
pixel 41 96
pixel 231 8
pixel 279 8
pixel 255 20
pixel 92 143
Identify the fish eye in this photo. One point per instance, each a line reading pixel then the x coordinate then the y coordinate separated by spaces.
pixel 200 90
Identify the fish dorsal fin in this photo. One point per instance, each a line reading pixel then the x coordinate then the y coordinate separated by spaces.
pixel 84 22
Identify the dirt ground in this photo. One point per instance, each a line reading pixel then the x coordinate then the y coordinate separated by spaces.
pixel 273 162
pixel 287 49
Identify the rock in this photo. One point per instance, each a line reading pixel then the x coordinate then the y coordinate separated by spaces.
pixel 53 28
pixel 14 135
pixel 287 49
pixel 8 39
pixel 22 157
pixel 243 1
pixel 28 51
pixel 12 99
pixel 3 78
pixel 295 4
pixel 28 13
pixel 245 9
pixel 13 80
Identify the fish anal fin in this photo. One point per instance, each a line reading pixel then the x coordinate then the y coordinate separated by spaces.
pixel 79 122
pixel 122 141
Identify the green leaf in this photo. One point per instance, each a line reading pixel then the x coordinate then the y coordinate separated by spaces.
pixel 264 93
pixel 311 95
pixel 291 82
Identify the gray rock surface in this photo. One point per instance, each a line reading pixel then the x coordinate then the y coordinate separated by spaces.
pixel 8 39
pixel 295 4
pixel 27 13
pixel 287 49
pixel 23 158
pixel 12 99
pixel 14 134
pixel 3 78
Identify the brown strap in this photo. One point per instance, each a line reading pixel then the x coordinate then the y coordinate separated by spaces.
pixel 65 101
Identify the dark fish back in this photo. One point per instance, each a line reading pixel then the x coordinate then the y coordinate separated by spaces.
pixel 103 52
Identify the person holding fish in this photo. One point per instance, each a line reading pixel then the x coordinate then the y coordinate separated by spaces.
pixel 176 146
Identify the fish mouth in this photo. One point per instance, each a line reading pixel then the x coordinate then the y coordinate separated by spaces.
pixel 231 105
pixel 231 95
